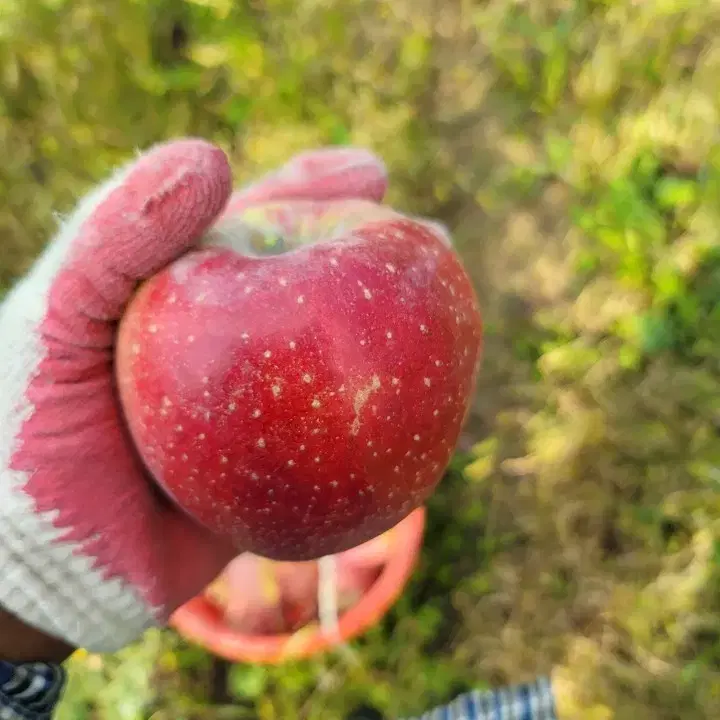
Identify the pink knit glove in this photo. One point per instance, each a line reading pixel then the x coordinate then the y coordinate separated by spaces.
pixel 89 551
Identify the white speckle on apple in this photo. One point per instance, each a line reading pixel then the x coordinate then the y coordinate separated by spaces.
pixel 223 459
pixel 416 438
pixel 333 262
pixel 256 413
pixel 427 382
pixel 261 442
pixel 367 294
pixel 292 344
pixel 153 329
pixel 201 436
pixel 232 407
pixel 307 378
pixel 423 328
pixel 301 299
pixel 283 282
pixel 395 381
pixel 267 354
pixel 245 336
pixel 276 390
pixel 361 398
pixel 316 403
pixel 136 348
pixel 388 335
pixel 390 267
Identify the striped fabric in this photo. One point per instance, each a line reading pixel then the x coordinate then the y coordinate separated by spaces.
pixel 29 691
pixel 524 702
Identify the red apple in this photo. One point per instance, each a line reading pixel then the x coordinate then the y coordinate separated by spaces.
pixel 249 595
pixel 261 596
pixel 305 395
pixel 298 583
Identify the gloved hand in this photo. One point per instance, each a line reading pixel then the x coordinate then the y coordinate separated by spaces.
pixel 90 553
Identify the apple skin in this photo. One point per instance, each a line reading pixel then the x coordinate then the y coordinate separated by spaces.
pixel 302 403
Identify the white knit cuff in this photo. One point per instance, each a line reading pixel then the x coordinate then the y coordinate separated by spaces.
pixel 51 585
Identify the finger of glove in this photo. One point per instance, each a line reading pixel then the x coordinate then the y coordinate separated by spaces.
pixel 137 223
pixel 193 557
pixel 321 175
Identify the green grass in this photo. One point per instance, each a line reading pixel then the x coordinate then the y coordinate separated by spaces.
pixel 572 147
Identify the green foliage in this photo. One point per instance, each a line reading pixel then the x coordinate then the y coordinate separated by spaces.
pixel 572 147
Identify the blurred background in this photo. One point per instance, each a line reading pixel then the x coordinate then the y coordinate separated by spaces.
pixel 572 148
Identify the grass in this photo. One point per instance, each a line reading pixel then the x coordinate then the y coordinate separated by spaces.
pixel 572 147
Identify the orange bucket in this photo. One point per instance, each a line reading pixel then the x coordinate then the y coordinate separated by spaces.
pixel 201 621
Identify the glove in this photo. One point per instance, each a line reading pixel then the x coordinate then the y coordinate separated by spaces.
pixel 90 552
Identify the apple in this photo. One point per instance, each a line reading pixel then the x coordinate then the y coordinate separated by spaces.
pixel 248 594
pixel 299 381
pixel 261 596
pixel 353 583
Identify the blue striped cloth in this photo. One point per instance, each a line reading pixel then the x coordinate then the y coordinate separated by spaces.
pixel 533 701
pixel 29 691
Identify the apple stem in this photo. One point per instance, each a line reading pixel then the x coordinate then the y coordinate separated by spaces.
pixel 328 596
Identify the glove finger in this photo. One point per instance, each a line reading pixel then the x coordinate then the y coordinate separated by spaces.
pixel 140 221
pixel 325 174
pixel 193 557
